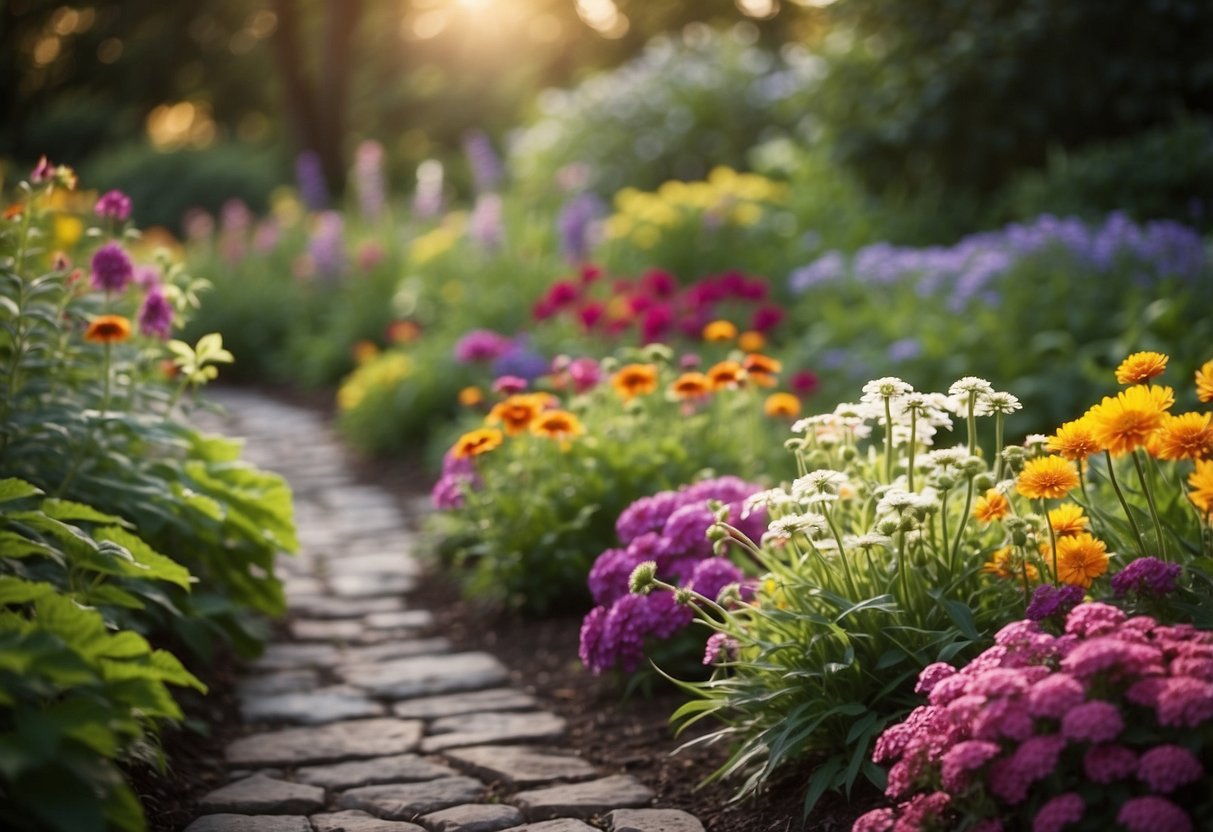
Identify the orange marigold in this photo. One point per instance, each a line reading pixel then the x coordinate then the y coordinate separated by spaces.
pixel 1204 382
pixel 108 329
pixel 781 406
pixel 1068 520
pixel 364 351
pixel 470 396
pixel 1004 563
pixel 993 506
pixel 634 380
pixel 1186 436
pixel 557 424
pixel 726 375
pixel 1075 440
pixel 761 369
pixel 1201 480
pixel 476 442
pixel 1141 366
pixel 1081 559
pixel 1047 478
pixel 751 340
pixel 691 386
pixel 516 413
pixel 719 331
pixel 1124 423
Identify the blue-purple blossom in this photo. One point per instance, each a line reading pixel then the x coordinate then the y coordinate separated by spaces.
pixel 156 314
pixel 575 223
pixel 521 361
pixel 327 244
pixel 112 269
pixel 1146 576
pixel 482 159
pixel 1049 601
pixel 309 176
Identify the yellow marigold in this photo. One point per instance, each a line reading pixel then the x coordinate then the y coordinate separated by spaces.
pixel 1075 440
pixel 719 331
pixel 108 329
pixel 1186 436
pixel 752 341
pixel 470 396
pixel 691 386
pixel 557 424
pixel 476 442
pixel 1201 480
pixel 1047 478
pixel 781 406
pixel 1081 559
pixel 761 369
pixel 1004 563
pixel 634 380
pixel 516 413
pixel 993 506
pixel 1204 382
pixel 1141 366
pixel 726 375
pixel 1068 520
pixel 1124 423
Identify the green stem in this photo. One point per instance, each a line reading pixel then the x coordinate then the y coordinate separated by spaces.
pixel 1124 504
pixel 964 524
pixel 998 427
pixel 842 556
pixel 913 444
pixel 1145 485
pixel 972 423
pixel 1052 539
pixel 888 439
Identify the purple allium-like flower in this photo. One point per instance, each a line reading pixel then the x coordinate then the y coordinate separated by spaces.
pixel 608 578
pixel 309 177
pixel 113 204
pixel 112 268
pixel 1165 768
pixel 1049 601
pixel 156 314
pixel 720 647
pixel 1146 576
pixel 1059 813
pixel 147 277
pixel 1108 763
pixel 1096 722
pixel 686 529
pixel 713 575
pixel 481 345
pixel 369 180
pixel 1153 814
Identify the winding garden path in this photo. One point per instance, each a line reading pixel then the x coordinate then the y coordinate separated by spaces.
pixel 357 722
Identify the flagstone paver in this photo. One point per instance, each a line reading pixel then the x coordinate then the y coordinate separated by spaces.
pixel 464 752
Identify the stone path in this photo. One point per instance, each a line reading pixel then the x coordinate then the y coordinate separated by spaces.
pixel 358 723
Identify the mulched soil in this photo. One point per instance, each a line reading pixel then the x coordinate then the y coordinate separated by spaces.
pixel 617 733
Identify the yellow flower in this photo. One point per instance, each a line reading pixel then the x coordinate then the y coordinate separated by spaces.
pixel 1126 422
pixel 108 329
pixel 719 331
pixel 1201 480
pixel 1067 520
pixel 691 386
pixel 66 231
pixel 1003 563
pixel 753 341
pixel 726 375
pixel 1141 366
pixel 761 369
pixel 1047 477
pixel 516 413
pixel 1204 382
pixel 1081 559
pixel 470 396
pixel 1075 440
pixel 476 442
pixel 557 424
pixel 993 506
pixel 364 351
pixel 634 380
pixel 1187 436
pixel 781 406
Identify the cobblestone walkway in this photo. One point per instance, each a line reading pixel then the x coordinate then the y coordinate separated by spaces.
pixel 356 722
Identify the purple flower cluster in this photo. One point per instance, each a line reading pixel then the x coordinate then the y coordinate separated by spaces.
pixel 156 314
pixel 482 159
pixel 1049 601
pixel 1146 577
pixel 327 245
pixel 112 269
pixel 481 345
pixel 1036 711
pixel 369 181
pixel 486 227
pixel 115 205
pixel 669 528
pixel 969 269
pixel 458 476
pixel 575 222
pixel 309 176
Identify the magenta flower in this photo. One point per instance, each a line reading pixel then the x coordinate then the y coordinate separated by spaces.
pixel 1108 763
pixel 1092 722
pixel 1059 813
pixel 1146 576
pixel 720 647
pixel 1165 768
pixel 156 314
pixel 481 345
pixel 112 268
pixel 1153 814
pixel 114 205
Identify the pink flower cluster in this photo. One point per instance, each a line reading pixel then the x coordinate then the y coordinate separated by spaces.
pixel 1004 742
pixel 655 307
pixel 669 528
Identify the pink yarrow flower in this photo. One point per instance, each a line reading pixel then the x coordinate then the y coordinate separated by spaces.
pixel 1166 768
pixel 1153 814
pixel 1059 813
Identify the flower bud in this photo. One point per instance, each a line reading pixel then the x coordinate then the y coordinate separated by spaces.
pixel 888 526
pixel 793 444
pixel 849 453
pixel 683 596
pixel 717 532
pixel 1019 537
pixel 642 578
pixel 945 481
pixel 983 482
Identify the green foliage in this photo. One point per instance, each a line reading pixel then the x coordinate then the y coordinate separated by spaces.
pixel 682 107
pixel 962 95
pixel 1166 172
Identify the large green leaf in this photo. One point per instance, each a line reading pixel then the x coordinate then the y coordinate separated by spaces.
pixel 12 488
pixel 68 510
pixel 148 563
